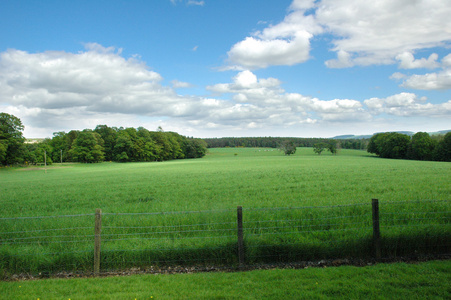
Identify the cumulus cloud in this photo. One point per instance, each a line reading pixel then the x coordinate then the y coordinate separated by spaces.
pixel 407 105
pixel 93 85
pixel 288 107
pixel 364 32
pixel 377 32
pixel 430 81
pixel 57 90
pixel 286 43
pixel 407 61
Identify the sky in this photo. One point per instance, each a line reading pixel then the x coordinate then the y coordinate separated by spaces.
pixel 227 68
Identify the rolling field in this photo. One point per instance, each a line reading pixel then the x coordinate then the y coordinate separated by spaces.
pixel 221 180
pixel 185 211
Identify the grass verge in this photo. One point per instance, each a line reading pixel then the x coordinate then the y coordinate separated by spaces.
pixel 426 280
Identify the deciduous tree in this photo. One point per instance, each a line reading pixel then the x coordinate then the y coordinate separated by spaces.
pixel 288 147
pixel 11 139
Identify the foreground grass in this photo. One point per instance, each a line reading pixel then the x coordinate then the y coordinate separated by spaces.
pixel 427 280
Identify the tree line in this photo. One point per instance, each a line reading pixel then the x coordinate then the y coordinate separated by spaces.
pixel 89 146
pixel 275 142
pixel 421 146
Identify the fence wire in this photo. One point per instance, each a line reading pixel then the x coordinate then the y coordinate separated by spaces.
pixel 286 234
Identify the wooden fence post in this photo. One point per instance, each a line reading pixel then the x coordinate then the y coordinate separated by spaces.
pixel 97 231
pixel 376 229
pixel 241 258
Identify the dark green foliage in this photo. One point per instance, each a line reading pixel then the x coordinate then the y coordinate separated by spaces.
pixel 194 148
pixel 319 148
pixel 394 145
pixel 87 147
pixel 389 145
pixel 330 146
pixel 288 147
pixel 121 145
pixel 11 139
pixel 420 147
pixel 109 136
pixel 443 150
pixel 274 142
pixel 38 153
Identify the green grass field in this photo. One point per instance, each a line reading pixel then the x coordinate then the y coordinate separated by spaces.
pixel 428 280
pixel 222 180
pixel 199 198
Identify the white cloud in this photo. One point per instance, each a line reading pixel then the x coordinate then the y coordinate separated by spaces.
pixel 343 60
pixel 258 53
pixel 286 43
pixel 365 33
pixel 430 81
pixel 407 61
pixel 292 107
pixel 397 76
pixel 375 32
pixel 61 91
pixel 180 84
pixel 407 105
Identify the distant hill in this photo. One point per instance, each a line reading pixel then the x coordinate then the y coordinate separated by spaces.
pixel 440 132
pixel 350 136
pixel 410 133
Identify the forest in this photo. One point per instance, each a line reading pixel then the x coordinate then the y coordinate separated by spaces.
pixel 89 146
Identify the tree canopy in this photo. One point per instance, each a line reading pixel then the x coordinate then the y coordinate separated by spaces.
pixel 11 139
pixel 90 146
pixel 288 147
pixel 420 147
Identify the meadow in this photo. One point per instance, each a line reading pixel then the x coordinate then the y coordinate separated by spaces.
pixel 297 207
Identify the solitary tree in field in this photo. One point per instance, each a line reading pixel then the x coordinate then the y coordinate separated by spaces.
pixel 288 147
pixel 319 148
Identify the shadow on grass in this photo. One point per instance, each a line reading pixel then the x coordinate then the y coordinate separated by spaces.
pixel 392 247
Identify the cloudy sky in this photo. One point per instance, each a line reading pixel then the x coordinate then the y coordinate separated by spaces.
pixel 216 68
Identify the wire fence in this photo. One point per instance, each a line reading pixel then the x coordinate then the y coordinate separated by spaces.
pixel 101 242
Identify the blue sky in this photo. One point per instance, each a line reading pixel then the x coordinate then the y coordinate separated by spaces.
pixel 216 68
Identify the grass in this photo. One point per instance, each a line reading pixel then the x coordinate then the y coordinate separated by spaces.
pixel 221 181
pixel 258 179
pixel 427 280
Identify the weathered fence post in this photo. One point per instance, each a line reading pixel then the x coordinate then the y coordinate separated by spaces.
pixel 241 258
pixel 97 231
pixel 376 229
